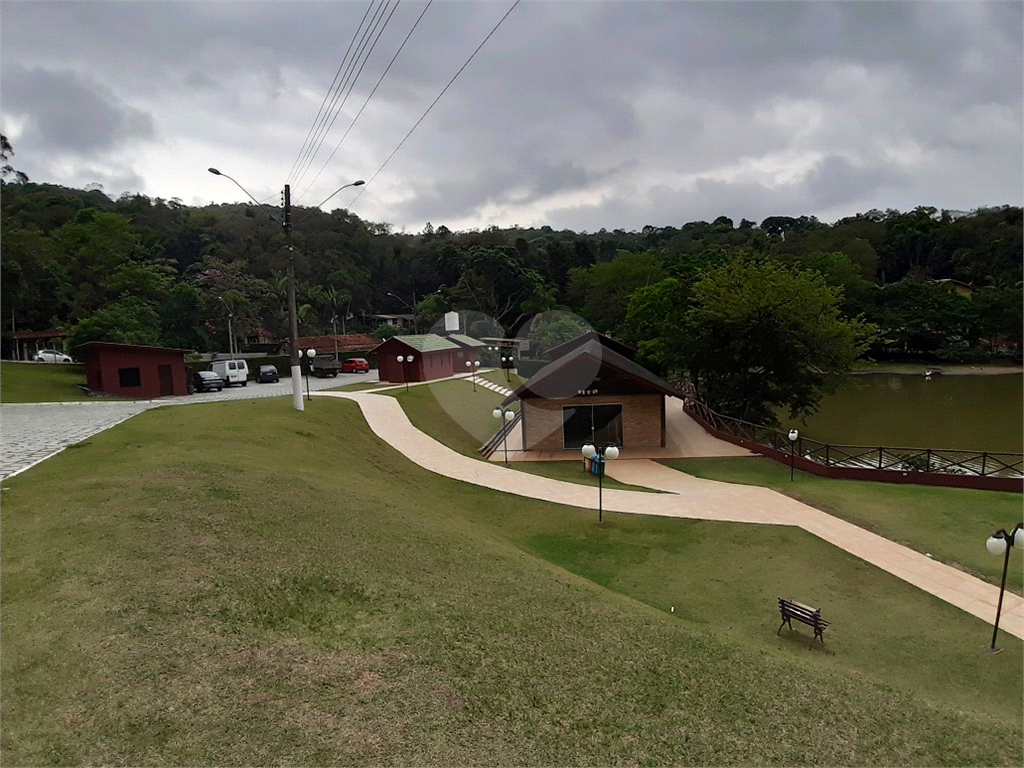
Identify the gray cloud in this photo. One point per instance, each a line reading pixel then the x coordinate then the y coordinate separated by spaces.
pixel 70 115
pixel 634 113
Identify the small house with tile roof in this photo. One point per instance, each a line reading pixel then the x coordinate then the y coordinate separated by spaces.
pixel 594 394
pixel 433 357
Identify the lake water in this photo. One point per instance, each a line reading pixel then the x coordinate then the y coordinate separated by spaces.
pixel 977 413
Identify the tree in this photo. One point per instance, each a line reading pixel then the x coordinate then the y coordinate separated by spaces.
pixel 602 292
pixel 129 321
pixel 760 336
pixel 7 171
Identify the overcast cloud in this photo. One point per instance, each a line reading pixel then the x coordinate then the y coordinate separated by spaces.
pixel 577 115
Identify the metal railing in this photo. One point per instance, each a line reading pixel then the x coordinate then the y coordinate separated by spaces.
pixel 937 461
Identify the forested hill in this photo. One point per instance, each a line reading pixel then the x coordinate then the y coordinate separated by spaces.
pixel 939 284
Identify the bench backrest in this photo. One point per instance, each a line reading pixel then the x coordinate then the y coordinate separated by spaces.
pixel 799 610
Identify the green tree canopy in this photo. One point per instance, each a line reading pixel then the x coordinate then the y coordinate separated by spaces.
pixel 756 336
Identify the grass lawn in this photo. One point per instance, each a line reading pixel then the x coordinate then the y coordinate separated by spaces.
pixel 41 383
pixel 951 524
pixel 243 583
pixel 497 375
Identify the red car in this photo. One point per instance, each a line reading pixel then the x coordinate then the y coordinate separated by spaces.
pixel 355 365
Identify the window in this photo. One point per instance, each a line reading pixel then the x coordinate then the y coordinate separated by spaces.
pixel 597 424
pixel 129 377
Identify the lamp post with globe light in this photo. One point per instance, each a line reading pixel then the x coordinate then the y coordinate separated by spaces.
pixel 506 415
pixel 473 365
pixel 310 354
pixel 793 436
pixel 405 360
pixel 608 452
pixel 293 319
pixel 1000 543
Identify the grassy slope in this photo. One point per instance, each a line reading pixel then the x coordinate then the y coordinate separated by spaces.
pixel 241 583
pixel 38 383
pixel 951 524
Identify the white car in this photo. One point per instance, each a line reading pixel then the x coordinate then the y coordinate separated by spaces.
pixel 51 356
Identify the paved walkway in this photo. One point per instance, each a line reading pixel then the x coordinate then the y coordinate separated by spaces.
pixel 691 497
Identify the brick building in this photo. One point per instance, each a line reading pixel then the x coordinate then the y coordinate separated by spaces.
pixel 134 371
pixel 592 393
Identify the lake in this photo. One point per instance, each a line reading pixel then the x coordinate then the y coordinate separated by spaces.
pixel 965 412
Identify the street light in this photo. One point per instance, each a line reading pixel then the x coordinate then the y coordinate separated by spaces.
pixel 998 543
pixel 607 451
pixel 506 415
pixel 506 363
pixel 310 354
pixel 793 435
pixel 473 365
pixel 415 323
pixel 231 336
pixel 293 318
pixel 405 368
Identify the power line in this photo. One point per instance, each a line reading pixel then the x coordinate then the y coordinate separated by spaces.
pixel 350 78
pixel 375 87
pixel 442 93
pixel 327 95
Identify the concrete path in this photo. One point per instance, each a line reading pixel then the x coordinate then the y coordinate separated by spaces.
pixel 691 497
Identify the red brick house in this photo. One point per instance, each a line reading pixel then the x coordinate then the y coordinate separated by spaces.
pixel 433 357
pixel 593 394
pixel 135 371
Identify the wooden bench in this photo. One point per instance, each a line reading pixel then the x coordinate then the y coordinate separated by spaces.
pixel 805 614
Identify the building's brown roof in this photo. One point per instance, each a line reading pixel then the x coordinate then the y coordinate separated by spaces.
pixel 28 335
pixel 325 344
pixel 606 341
pixel 577 369
pixel 89 345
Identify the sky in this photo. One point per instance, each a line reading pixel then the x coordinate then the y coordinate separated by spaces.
pixel 575 115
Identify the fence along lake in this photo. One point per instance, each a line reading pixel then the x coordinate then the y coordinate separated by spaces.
pixel 974 412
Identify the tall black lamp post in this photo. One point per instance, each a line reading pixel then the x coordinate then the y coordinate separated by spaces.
pixel 405 360
pixel 999 543
pixel 793 435
pixel 310 354
pixel 506 363
pixel 473 365
pixel 608 452
pixel 506 415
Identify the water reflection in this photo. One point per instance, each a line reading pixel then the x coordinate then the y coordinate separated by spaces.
pixel 984 413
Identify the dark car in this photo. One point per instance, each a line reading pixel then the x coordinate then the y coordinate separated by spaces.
pixel 355 365
pixel 267 374
pixel 207 381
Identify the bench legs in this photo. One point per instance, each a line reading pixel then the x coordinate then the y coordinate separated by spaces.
pixel 818 633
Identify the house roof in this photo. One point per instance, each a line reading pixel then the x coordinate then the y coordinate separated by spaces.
pixel 97 345
pixel 346 343
pixel 606 341
pixel 577 370
pixel 426 342
pixel 51 334
pixel 466 341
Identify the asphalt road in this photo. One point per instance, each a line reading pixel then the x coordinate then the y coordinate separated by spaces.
pixel 33 432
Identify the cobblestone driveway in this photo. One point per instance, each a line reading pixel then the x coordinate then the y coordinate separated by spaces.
pixel 32 432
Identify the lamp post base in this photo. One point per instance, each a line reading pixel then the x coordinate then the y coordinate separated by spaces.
pixel 993 651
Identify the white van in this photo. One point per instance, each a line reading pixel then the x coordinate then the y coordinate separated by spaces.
pixel 232 371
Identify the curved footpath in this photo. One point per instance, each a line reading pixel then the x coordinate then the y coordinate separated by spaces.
pixel 692 497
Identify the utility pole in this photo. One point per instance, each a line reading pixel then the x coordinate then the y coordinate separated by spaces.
pixel 293 320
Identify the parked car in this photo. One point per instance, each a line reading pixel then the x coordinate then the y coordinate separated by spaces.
pixel 267 374
pixel 355 365
pixel 207 381
pixel 51 356
pixel 231 371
